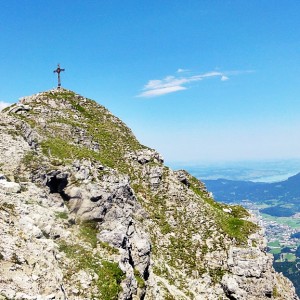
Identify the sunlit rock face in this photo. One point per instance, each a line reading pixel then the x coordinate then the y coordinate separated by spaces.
pixel 87 212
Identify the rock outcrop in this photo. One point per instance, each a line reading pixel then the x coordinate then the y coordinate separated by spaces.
pixel 87 212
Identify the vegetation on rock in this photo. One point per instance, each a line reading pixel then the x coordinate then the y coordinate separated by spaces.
pixel 123 218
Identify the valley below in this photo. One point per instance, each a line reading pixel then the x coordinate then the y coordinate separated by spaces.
pixel 276 206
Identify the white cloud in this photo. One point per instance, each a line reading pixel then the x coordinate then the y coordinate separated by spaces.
pixel 211 74
pixel 182 70
pixel 224 78
pixel 4 104
pixel 162 91
pixel 171 84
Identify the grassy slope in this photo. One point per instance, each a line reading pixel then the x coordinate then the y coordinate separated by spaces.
pixel 115 140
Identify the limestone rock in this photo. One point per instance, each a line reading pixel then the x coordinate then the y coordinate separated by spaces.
pixel 145 155
pixel 87 211
pixel 9 187
pixel 182 177
pixel 20 108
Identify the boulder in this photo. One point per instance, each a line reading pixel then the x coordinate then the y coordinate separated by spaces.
pixel 9 187
pixel 19 108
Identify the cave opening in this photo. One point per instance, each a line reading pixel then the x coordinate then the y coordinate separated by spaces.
pixel 56 183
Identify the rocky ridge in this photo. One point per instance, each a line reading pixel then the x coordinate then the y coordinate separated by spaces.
pixel 87 212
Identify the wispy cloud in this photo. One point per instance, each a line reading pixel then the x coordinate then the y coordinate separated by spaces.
pixel 171 84
pixel 162 91
pixel 182 70
pixel 224 78
pixel 4 104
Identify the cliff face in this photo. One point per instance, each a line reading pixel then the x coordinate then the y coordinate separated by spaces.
pixel 87 212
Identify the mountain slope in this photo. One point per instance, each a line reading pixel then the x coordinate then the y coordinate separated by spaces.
pixel 97 215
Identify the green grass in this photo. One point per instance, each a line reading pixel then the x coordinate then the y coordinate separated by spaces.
pixel 232 224
pixel 6 109
pixel 159 214
pixel 88 232
pixel 216 275
pixel 78 107
pixel 168 296
pixel 61 149
pixel 63 94
pixel 109 274
pixel 62 215
pixel 139 279
pixel 31 160
pixel 275 292
pixel 108 248
pixel 237 228
pixel 8 207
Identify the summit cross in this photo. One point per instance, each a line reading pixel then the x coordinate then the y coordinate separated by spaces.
pixel 58 70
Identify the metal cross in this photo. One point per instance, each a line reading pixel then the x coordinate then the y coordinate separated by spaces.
pixel 58 70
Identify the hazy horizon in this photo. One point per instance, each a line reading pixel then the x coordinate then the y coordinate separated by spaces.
pixel 257 171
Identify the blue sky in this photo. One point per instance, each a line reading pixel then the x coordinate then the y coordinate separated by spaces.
pixel 196 80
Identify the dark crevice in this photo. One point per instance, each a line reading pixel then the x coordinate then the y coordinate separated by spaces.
pixel 228 293
pixel 64 196
pixel 98 220
pixel 104 211
pixel 230 297
pixel 95 199
pixel 146 273
pixel 268 294
pixel 124 243
pixel 131 262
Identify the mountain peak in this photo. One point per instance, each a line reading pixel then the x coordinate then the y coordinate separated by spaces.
pixel 111 221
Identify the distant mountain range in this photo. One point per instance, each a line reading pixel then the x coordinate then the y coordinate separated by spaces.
pixel 281 193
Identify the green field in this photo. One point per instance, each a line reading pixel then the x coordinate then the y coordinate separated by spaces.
pixel 274 244
pixel 289 256
pixel 289 221
pixel 275 251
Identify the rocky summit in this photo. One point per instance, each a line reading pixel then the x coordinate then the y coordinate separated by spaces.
pixel 87 212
